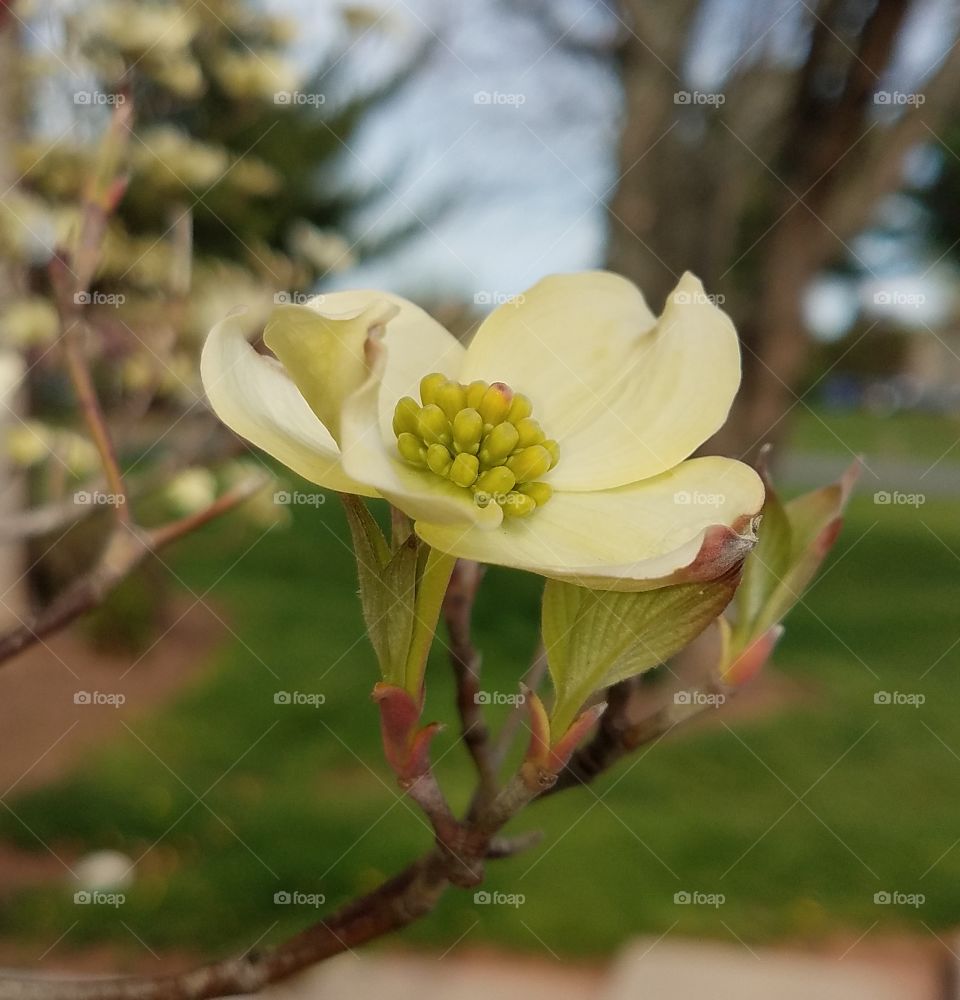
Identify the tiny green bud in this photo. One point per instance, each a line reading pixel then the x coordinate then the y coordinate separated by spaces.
pixel 451 398
pixel 531 463
pixel 499 443
pixel 438 459
pixel 530 432
pixel 498 480
pixel 467 431
pixel 429 385
pixel 405 416
pixel 433 425
pixel 540 492
pixel 518 505
pixel 464 470
pixel 475 391
pixel 411 448
pixel 495 403
pixel 520 407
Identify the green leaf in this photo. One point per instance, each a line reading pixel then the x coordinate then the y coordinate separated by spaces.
pixel 794 539
pixel 388 589
pixel 596 638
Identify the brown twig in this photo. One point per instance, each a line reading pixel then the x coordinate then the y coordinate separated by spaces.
pixel 465 660
pixel 126 548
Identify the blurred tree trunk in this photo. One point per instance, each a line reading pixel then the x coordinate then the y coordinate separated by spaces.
pixel 760 193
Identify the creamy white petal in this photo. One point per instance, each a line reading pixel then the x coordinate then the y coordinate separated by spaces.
pixel 626 396
pixel 693 522
pixel 559 342
pixel 256 399
pixel 416 345
pixel 372 455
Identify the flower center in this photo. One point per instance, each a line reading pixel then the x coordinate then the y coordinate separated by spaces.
pixel 482 437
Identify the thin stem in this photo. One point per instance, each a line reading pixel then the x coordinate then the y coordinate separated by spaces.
pixel 93 416
pixel 465 660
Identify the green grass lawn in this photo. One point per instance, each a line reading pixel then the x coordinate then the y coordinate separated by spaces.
pixel 797 817
pixel 905 435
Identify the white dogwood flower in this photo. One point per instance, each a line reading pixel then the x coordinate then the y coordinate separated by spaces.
pixel 557 441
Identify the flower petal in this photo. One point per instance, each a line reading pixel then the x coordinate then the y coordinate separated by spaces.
pixel 255 398
pixel 693 522
pixel 369 454
pixel 324 350
pixel 326 355
pixel 627 396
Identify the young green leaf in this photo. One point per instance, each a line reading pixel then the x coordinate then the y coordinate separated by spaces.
pixel 596 638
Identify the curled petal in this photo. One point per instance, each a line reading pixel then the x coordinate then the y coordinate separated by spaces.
pixel 256 399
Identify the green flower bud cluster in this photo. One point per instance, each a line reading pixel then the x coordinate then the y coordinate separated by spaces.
pixel 481 437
